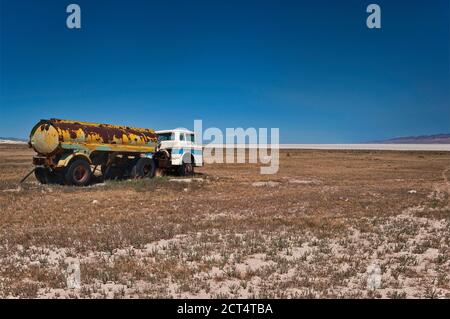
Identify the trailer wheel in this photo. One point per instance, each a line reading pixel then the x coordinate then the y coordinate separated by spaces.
pixel 41 174
pixel 145 167
pixel 78 173
pixel 45 176
pixel 113 172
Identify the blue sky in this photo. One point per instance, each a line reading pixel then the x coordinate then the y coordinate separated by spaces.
pixel 311 68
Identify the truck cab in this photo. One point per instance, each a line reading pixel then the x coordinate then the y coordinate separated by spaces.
pixel 178 149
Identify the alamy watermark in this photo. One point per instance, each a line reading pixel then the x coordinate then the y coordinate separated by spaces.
pixel 239 145
pixel 374 19
pixel 373 277
pixel 73 20
pixel 73 274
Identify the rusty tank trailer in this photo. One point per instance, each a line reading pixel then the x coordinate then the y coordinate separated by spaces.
pixel 66 150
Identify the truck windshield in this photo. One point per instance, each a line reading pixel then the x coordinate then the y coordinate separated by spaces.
pixel 166 137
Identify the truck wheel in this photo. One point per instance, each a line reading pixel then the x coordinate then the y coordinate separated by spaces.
pixel 78 173
pixel 145 167
pixel 187 168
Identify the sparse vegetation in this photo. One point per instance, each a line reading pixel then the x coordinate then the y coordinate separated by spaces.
pixel 312 233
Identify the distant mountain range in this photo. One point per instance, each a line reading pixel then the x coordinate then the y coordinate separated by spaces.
pixel 421 139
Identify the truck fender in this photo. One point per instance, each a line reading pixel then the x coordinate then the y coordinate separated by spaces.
pixel 66 159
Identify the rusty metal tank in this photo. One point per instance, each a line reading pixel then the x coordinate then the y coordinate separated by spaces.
pixel 50 136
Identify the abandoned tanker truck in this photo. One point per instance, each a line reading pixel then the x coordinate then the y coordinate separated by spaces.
pixel 69 152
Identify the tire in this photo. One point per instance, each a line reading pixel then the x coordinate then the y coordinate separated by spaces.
pixel 113 172
pixel 55 178
pixel 187 168
pixel 41 175
pixel 144 167
pixel 78 173
pixel 45 176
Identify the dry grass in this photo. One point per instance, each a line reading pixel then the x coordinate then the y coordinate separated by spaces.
pixel 312 234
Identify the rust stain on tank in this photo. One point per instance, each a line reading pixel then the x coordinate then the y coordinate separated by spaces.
pixel 103 133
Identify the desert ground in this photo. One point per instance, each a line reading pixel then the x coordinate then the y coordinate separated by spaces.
pixel 330 224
